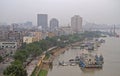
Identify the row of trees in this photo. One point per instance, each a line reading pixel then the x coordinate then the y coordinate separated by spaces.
pixel 28 52
pixel 15 69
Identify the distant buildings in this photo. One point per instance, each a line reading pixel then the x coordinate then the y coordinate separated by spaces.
pixel 76 24
pixel 42 20
pixel 14 27
pixel 37 36
pixel 21 26
pixel 14 35
pixel 32 37
pixel 28 23
pixel 3 35
pixel 25 32
pixel 65 30
pixel 54 24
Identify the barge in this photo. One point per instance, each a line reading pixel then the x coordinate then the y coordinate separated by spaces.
pixel 91 61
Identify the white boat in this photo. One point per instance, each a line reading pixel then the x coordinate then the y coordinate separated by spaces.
pixel 73 64
pixel 63 63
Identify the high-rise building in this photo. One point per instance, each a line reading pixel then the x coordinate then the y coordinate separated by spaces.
pixel 54 24
pixel 76 24
pixel 42 20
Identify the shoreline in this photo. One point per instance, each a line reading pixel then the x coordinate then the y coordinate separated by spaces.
pixel 55 52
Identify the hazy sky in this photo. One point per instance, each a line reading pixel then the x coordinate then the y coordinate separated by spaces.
pixel 98 11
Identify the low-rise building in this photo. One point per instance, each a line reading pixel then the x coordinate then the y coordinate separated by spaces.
pixel 28 39
pixel 44 35
pixel 14 35
pixel 37 35
pixel 3 35
pixel 7 44
pixel 65 31
pixel 51 34
pixel 7 48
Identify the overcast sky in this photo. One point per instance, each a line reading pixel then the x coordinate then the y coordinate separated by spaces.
pixel 98 11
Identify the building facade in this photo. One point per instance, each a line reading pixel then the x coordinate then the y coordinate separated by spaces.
pixel 8 48
pixel 4 32
pixel 3 35
pixel 8 44
pixel 66 30
pixel 37 35
pixel 42 20
pixel 51 34
pixel 54 24
pixel 28 39
pixel 76 24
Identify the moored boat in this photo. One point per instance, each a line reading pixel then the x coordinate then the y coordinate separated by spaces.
pixel 63 63
pixel 90 61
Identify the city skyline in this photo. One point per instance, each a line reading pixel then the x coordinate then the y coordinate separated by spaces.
pixel 100 11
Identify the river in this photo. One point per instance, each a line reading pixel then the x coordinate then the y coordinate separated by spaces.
pixel 111 67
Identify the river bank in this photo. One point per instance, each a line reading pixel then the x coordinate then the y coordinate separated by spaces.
pixel 56 52
pixel 46 66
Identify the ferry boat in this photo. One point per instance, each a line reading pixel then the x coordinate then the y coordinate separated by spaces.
pixel 91 61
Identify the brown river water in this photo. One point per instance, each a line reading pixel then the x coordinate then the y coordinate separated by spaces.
pixel 111 67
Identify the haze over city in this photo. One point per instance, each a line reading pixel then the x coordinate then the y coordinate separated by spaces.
pixel 59 37
pixel 96 11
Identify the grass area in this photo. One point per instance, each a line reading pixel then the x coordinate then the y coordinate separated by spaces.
pixel 46 57
pixel 34 72
pixel 43 73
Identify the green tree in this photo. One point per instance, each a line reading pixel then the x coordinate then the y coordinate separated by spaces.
pixel 15 69
pixel 21 55
pixel 23 45
pixel 1 59
pixel 43 45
